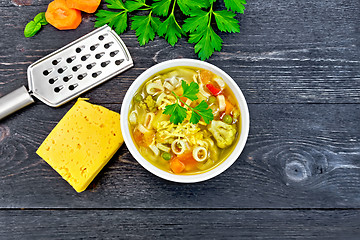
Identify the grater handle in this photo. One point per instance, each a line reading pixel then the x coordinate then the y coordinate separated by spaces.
pixel 14 101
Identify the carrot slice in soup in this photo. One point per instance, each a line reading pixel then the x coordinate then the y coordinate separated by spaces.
pixel 88 6
pixel 176 165
pixel 229 107
pixel 61 16
pixel 188 160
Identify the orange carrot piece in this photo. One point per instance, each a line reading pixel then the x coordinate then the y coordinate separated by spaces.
pixel 88 6
pixel 229 107
pixel 61 16
pixel 188 160
pixel 206 76
pixel 176 165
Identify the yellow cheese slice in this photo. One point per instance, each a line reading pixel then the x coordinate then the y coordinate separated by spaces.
pixel 82 143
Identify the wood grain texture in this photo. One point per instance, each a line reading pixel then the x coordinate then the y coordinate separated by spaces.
pixel 179 224
pixel 297 156
pixel 287 52
pixel 297 63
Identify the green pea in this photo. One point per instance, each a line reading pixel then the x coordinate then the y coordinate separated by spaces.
pixel 166 156
pixel 212 100
pixel 138 98
pixel 227 119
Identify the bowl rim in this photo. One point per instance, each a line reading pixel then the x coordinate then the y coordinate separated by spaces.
pixel 245 121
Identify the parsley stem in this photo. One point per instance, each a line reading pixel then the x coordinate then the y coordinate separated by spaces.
pixel 211 12
pixel 145 9
pixel 173 7
pixel 172 13
pixel 178 99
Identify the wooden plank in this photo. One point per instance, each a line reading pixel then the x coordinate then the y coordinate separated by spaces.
pixel 179 224
pixel 297 155
pixel 287 52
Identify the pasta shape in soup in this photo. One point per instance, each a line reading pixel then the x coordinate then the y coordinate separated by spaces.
pixel 198 143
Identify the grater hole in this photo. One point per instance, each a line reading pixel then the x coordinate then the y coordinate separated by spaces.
pixel 93 47
pixel 56 61
pixel 107 45
pixel 70 59
pixel 99 55
pixel 75 68
pixel 118 62
pixel 79 49
pixel 101 37
pixel 90 66
pixel 104 64
pixel 72 87
pixel 58 89
pixel 52 80
pixel 83 58
pixel 95 74
pixel 81 77
pixel 112 54
pixel 46 72
pixel 61 70
pixel 67 78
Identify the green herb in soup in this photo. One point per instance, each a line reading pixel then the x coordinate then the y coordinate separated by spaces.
pixel 185 120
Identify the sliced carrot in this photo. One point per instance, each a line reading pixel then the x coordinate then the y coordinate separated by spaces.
pixel 61 16
pixel 206 76
pixel 188 160
pixel 229 107
pixel 88 6
pixel 176 165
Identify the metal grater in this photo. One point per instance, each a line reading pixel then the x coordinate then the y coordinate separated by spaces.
pixel 68 72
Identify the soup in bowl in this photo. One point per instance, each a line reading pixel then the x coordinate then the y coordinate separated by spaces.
pixel 185 120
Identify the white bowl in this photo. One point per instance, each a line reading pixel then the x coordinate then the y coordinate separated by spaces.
pixel 125 108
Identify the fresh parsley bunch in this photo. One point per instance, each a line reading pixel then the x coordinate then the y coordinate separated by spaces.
pixel 199 23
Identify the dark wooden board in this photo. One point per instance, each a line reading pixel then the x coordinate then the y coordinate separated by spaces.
pixel 179 224
pixel 297 63
pixel 288 52
pixel 297 155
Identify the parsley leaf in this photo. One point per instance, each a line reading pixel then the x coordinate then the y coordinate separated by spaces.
pixel 206 42
pixel 186 5
pixel 134 5
pixel 35 25
pixel 203 110
pixel 195 118
pixel 190 90
pixel 161 7
pixel 235 5
pixel 225 21
pixel 198 20
pixel 177 112
pixel 116 20
pixel 171 29
pixel 115 4
pixel 145 27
